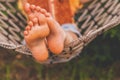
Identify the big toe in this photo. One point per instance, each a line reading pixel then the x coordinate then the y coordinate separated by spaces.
pixel 42 19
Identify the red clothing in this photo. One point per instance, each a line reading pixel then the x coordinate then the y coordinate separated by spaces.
pixel 61 9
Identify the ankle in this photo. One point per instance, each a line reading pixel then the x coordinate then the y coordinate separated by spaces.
pixel 70 36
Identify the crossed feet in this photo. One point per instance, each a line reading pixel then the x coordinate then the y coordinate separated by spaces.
pixel 43 32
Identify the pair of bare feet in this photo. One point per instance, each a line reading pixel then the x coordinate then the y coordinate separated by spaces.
pixel 43 32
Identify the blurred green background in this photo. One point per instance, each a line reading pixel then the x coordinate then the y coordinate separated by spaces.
pixel 100 60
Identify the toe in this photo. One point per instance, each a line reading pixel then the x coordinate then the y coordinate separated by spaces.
pixel 43 11
pixel 35 21
pixel 28 28
pixel 27 8
pixel 32 7
pixel 38 8
pixel 25 33
pixel 31 16
pixel 30 23
pixel 41 19
pixel 47 14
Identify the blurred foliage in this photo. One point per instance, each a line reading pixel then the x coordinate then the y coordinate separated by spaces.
pixel 114 33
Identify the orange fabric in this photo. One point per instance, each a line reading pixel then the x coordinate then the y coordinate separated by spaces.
pixel 63 12
pixel 64 9
pixel 41 3
pixel 74 5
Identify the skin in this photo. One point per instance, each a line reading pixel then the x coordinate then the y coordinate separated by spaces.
pixel 43 32
pixel 35 33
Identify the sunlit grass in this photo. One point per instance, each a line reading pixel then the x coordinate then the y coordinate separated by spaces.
pixel 7 72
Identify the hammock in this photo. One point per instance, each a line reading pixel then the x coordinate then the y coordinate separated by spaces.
pixel 98 17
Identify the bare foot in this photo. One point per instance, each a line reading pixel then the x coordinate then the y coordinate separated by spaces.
pixel 57 35
pixel 57 38
pixel 35 33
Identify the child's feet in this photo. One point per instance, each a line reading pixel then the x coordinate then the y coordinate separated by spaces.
pixel 38 28
pixel 35 34
pixel 56 38
pixel 57 35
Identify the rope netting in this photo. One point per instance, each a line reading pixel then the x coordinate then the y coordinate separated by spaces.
pixel 94 19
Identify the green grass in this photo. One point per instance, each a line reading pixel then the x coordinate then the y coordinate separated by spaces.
pixel 7 72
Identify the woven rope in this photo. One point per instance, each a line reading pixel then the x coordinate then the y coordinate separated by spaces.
pixel 98 17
